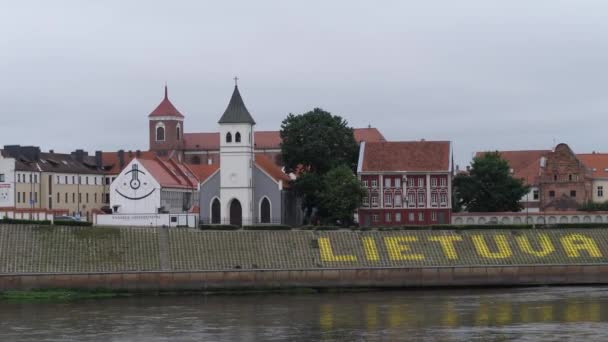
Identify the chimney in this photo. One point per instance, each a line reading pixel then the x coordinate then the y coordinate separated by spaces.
pixel 79 155
pixel 137 153
pixel 51 151
pixel 130 154
pixel 98 160
pixel 121 159
pixel 30 152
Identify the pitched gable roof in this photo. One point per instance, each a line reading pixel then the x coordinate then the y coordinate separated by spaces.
pixel 406 156
pixel 203 171
pixel 112 164
pixel 266 139
pixel 166 108
pixel 525 164
pixel 236 112
pixel 597 163
pixel 170 174
pixel 267 165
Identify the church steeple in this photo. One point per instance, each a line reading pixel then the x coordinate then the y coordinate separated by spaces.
pixel 166 108
pixel 236 112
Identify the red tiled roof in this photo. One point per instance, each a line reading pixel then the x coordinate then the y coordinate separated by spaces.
pixel 266 164
pixel 406 156
pixel 111 162
pixel 265 139
pixel 203 171
pixel 369 134
pixel 596 162
pixel 169 173
pixel 166 108
pixel 525 164
pixel 202 141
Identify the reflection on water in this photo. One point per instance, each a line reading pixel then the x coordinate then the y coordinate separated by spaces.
pixel 532 314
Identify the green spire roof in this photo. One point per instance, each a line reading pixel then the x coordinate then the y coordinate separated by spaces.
pixel 236 111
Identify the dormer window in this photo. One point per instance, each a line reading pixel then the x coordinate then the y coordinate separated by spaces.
pixel 237 137
pixel 228 137
pixel 160 132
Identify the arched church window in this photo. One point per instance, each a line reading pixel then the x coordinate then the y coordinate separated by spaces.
pixel 228 137
pixel 237 137
pixel 178 132
pixel 160 132
pixel 265 211
pixel 215 211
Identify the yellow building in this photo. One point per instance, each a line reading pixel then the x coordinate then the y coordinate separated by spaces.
pixel 54 181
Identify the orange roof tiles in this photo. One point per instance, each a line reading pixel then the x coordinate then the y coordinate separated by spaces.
pixel 266 139
pixel 525 164
pixel 203 171
pixel 111 160
pixel 266 164
pixel 166 108
pixel 406 156
pixel 170 174
pixel 596 162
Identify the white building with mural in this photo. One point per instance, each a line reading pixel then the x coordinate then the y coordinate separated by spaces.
pixel 153 192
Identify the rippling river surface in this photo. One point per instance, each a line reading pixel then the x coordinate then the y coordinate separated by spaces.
pixel 528 314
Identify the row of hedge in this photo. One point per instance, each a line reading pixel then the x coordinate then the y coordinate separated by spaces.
pixel 406 227
pixel 46 222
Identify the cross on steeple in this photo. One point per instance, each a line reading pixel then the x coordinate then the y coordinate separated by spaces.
pixel 236 79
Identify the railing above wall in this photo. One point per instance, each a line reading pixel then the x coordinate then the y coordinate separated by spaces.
pixel 244 222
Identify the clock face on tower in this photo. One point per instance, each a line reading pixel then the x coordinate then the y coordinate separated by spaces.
pixel 136 185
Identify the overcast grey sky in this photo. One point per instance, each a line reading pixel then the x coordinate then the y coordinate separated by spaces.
pixel 484 74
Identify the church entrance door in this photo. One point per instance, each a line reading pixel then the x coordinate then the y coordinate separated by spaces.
pixel 236 213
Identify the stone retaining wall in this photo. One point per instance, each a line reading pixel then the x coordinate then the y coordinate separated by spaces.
pixel 327 278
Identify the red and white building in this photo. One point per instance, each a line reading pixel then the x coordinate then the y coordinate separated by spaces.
pixel 407 182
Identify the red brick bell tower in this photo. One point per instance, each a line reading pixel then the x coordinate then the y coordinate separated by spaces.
pixel 166 129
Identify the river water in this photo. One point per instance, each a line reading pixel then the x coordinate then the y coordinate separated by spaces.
pixel 523 314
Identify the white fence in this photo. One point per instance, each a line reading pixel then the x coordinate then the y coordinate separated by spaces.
pixel 147 220
pixel 530 218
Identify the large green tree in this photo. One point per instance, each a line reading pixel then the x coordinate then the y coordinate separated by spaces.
pixel 314 143
pixel 342 194
pixel 489 186
pixel 317 141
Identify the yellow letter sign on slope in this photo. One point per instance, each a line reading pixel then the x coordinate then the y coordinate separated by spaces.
pixel 327 253
pixel 397 245
pixel 546 247
pixel 504 251
pixel 574 243
pixel 447 244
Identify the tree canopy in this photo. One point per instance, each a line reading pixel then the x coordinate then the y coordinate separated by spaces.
pixel 489 186
pixel 317 141
pixel 321 149
pixel 341 196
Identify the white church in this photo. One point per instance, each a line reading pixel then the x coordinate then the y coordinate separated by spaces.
pixel 246 188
